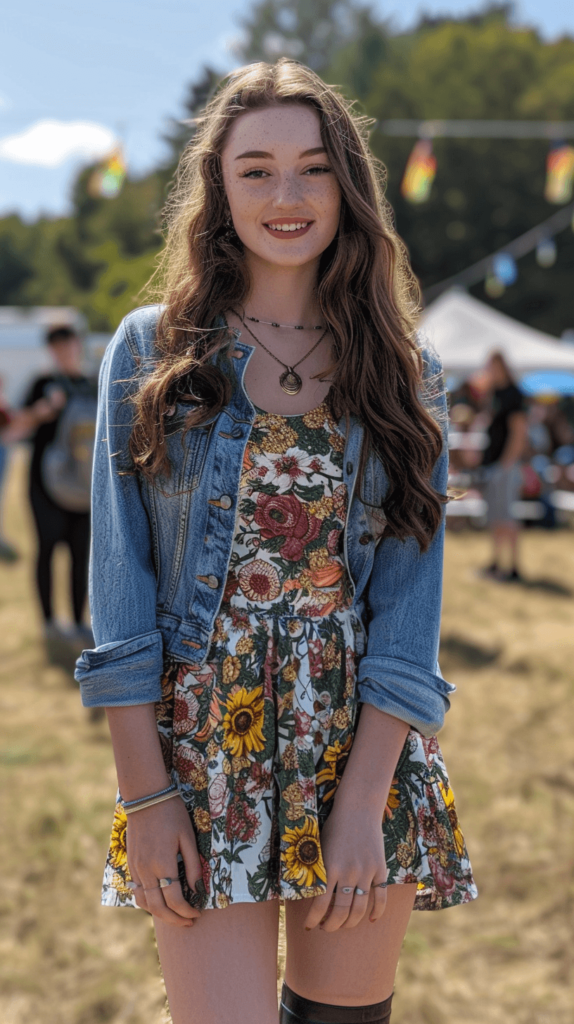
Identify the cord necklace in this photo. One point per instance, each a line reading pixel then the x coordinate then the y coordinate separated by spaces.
pixel 290 381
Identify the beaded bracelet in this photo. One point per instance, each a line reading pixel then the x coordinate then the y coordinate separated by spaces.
pixel 151 796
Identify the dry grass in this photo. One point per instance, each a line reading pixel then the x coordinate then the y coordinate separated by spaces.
pixel 508 957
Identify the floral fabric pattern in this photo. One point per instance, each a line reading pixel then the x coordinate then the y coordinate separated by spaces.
pixel 257 738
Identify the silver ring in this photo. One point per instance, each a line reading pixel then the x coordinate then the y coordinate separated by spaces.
pixel 347 889
pixel 379 885
pixel 361 892
pixel 133 885
pixel 164 882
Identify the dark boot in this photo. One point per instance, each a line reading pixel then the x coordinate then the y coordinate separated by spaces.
pixel 295 1009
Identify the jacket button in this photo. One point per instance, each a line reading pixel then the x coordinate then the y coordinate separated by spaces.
pixel 365 538
pixel 349 468
pixel 212 581
pixel 225 501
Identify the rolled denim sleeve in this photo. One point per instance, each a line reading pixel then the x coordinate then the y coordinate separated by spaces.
pixel 399 673
pixel 125 666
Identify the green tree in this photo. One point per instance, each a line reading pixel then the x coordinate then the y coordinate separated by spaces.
pixel 486 191
pixel 311 31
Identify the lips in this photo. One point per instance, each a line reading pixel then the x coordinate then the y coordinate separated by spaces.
pixel 288 228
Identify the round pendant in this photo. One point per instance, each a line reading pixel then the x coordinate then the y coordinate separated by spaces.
pixel 290 382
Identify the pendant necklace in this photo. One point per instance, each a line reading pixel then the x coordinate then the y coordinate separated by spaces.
pixel 290 381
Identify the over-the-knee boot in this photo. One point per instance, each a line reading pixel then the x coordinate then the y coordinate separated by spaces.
pixel 298 1010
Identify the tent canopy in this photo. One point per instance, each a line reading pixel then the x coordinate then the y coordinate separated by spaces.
pixel 465 331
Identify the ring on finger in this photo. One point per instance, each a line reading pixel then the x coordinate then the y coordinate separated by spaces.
pixel 134 885
pixel 379 885
pixel 151 888
pixel 347 889
pixel 361 892
pixel 164 882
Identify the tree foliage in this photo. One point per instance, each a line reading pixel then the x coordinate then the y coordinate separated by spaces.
pixel 486 191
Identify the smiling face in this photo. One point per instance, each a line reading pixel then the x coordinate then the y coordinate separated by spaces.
pixel 283 194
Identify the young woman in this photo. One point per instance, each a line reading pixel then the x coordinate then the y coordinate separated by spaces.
pixel 266 576
pixel 507 437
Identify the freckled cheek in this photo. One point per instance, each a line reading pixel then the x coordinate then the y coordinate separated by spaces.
pixel 244 204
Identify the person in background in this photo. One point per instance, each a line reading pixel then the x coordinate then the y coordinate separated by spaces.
pixel 507 436
pixel 7 552
pixel 43 410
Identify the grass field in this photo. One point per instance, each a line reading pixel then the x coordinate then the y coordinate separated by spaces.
pixel 506 959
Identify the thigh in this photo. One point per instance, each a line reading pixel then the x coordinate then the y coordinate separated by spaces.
pixel 224 969
pixel 350 967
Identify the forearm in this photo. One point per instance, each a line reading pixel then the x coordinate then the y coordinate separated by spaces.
pixel 372 762
pixel 137 750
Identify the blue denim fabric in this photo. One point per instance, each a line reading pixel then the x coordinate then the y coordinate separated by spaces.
pixel 161 550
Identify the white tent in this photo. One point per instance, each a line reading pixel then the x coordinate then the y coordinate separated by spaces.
pixel 465 331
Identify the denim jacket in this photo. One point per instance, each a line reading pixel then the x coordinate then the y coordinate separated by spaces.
pixel 161 550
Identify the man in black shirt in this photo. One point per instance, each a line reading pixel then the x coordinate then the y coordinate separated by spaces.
pixel 44 406
pixel 506 442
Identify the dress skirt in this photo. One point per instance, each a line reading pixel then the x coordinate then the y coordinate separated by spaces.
pixel 258 737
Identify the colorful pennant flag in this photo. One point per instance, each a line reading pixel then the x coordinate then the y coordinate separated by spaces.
pixel 559 174
pixel 107 180
pixel 505 269
pixel 419 173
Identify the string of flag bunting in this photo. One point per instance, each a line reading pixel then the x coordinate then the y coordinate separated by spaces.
pixel 499 271
pixel 106 181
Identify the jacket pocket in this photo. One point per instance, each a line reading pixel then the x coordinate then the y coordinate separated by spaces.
pixel 186 451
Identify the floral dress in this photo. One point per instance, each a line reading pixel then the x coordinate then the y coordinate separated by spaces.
pixel 257 738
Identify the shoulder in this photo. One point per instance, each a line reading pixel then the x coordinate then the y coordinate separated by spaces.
pixel 432 363
pixel 133 346
pixel 139 329
pixel 516 399
pixel 433 392
pixel 37 388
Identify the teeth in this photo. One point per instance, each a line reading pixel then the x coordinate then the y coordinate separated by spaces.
pixel 288 227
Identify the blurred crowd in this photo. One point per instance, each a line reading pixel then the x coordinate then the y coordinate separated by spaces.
pixel 511 461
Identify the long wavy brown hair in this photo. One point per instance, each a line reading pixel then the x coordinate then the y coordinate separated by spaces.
pixel 368 295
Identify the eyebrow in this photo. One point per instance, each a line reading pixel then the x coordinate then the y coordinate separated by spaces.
pixel 262 155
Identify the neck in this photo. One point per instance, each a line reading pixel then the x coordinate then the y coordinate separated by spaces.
pixel 285 294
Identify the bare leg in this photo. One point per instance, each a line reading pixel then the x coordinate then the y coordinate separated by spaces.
pixel 349 967
pixel 224 969
pixel 505 535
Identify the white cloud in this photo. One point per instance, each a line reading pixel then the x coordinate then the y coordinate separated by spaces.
pixel 50 143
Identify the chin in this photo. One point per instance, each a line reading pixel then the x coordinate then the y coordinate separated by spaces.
pixel 296 256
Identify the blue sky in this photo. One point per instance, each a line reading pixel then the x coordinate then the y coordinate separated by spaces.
pixel 122 66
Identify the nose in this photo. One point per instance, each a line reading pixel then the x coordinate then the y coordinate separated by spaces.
pixel 289 192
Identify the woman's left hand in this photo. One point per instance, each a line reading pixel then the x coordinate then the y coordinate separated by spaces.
pixel 354 854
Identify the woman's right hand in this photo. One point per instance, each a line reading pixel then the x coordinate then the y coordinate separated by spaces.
pixel 155 836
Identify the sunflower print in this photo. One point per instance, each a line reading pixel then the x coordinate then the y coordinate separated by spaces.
pixel 302 855
pixel 118 851
pixel 257 739
pixel 243 723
